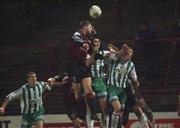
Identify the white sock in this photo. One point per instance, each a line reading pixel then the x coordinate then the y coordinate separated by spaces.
pixel 105 120
pixel 144 121
pixel 114 120
pixel 89 122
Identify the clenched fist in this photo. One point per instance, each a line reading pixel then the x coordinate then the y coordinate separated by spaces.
pixel 2 109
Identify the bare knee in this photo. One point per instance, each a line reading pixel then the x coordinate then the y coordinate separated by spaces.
pixel 137 110
pixel 39 124
pixel 87 84
pixel 117 107
pixel 76 123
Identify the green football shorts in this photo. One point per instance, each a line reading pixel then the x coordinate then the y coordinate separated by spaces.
pixel 28 120
pixel 99 87
pixel 116 93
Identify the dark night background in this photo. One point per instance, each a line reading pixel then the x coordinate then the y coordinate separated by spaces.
pixel 35 34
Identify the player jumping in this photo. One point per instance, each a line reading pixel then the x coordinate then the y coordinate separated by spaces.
pixel 80 48
pixel 121 68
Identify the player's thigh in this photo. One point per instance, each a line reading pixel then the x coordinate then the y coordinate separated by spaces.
pixel 39 124
pixel 87 84
pixel 76 123
pixel 141 102
pixel 103 103
pixel 137 110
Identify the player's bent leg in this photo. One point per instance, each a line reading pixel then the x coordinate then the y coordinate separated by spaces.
pixel 39 120
pixel 87 85
pixel 90 96
pixel 147 111
pixel 103 104
pixel 104 114
pixel 100 90
pixel 76 123
pixel 125 115
pixel 39 124
pixel 137 110
pixel 141 116
pixel 89 121
pixel 116 113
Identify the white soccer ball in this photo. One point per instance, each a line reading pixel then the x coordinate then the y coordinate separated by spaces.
pixel 95 11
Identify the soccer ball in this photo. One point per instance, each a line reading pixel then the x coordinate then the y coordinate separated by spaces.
pixel 95 11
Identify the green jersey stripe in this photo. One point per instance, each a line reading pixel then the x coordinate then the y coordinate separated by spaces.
pixel 111 73
pixel 39 90
pixel 29 103
pixel 118 73
pixel 37 96
pixel 27 100
pixel 31 98
pixel 119 76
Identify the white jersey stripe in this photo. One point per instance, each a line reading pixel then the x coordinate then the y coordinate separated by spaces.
pixel 27 100
pixel 37 96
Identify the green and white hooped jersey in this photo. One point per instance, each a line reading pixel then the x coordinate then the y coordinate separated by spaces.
pixel 119 72
pixel 97 68
pixel 30 97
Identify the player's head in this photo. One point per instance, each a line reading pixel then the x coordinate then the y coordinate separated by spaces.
pixel 31 77
pixel 86 27
pixel 126 52
pixel 96 42
pixel 112 48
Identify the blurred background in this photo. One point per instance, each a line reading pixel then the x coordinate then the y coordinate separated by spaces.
pixel 35 35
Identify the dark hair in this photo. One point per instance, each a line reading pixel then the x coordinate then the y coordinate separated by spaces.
pixel 84 23
pixel 29 73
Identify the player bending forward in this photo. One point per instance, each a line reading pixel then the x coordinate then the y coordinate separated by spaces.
pixel 121 68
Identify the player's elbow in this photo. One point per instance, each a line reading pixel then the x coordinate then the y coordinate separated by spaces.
pixel 135 82
pixel 9 97
pixel 87 63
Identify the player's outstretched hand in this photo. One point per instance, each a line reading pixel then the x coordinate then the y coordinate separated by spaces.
pixel 50 81
pixel 2 109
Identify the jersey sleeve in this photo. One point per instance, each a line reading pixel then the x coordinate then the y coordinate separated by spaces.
pixel 132 73
pixel 77 38
pixel 109 57
pixel 45 86
pixel 16 94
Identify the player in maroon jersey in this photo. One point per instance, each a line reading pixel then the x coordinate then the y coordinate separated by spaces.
pixel 80 51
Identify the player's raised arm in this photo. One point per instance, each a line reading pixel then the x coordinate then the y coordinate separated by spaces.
pixel 58 80
pixel 111 54
pixel 14 95
pixel 96 43
pixel 135 82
